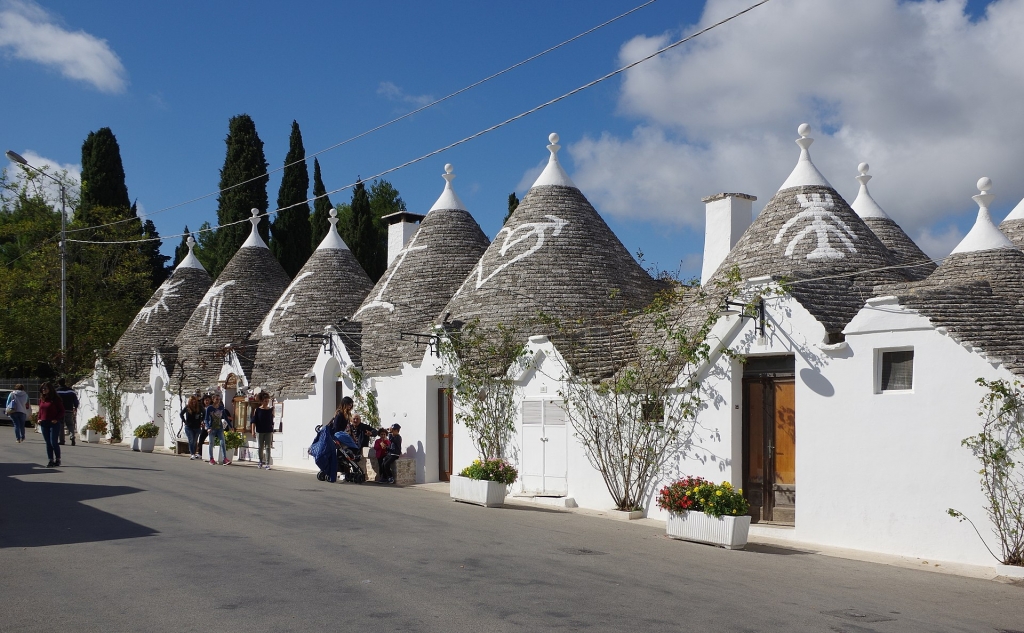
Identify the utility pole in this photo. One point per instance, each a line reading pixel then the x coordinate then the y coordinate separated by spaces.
pixel 17 158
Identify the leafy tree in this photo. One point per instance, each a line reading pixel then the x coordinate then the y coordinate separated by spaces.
pixel 344 225
pixel 384 200
pixel 181 251
pixel 513 204
pixel 103 179
pixel 290 229
pixel 319 223
pixel 243 184
pixel 206 244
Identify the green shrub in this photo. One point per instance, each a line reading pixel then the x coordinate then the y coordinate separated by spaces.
pixel 234 439
pixel 491 470
pixel 147 430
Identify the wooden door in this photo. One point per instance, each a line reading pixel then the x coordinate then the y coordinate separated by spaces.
pixel 445 417
pixel 769 440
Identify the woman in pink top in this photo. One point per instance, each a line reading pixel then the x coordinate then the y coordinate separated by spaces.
pixel 51 419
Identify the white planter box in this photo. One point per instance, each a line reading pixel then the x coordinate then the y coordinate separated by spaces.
pixel 143 444
pixel 92 437
pixel 727 532
pixel 1010 571
pixel 623 515
pixel 489 494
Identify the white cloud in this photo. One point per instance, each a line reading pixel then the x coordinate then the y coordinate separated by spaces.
pixel 937 243
pixel 392 92
pixel 929 98
pixel 29 32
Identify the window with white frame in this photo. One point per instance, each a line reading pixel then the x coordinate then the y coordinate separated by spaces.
pixel 895 370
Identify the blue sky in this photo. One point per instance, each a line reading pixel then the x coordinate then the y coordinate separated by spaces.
pixel 166 77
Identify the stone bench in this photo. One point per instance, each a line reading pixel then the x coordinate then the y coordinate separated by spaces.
pixel 405 469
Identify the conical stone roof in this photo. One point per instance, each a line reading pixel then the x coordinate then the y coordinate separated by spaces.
pixel 158 322
pixel 229 313
pixel 809 235
pixel 904 250
pixel 328 289
pixel 555 255
pixel 977 293
pixel 1013 225
pixel 419 282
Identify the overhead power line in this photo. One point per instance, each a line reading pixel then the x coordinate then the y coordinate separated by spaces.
pixel 467 139
pixel 389 123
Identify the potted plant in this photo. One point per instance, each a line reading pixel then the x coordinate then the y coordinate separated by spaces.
pixel 706 512
pixel 95 429
pixel 234 440
pixel 145 437
pixel 484 482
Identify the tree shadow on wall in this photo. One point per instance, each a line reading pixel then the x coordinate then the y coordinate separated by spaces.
pixel 40 513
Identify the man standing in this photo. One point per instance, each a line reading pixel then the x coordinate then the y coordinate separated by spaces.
pixel 69 399
pixel 262 426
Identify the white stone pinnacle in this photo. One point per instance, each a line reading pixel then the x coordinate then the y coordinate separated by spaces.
pixel 448 198
pixel 805 173
pixel 190 260
pixel 865 206
pixel 983 236
pixel 254 240
pixel 332 240
pixel 553 173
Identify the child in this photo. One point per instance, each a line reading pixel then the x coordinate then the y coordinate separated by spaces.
pixel 394 452
pixel 380 449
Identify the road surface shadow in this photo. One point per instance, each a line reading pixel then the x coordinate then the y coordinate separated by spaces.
pixel 761 548
pixel 40 513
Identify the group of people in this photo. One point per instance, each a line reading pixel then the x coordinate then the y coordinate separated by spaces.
pixel 387 447
pixel 58 409
pixel 205 416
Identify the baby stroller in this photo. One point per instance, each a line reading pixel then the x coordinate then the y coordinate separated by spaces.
pixel 337 453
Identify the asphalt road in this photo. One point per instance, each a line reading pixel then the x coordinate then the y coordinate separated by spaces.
pixel 122 541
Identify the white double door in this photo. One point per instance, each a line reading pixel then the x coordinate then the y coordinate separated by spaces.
pixel 544 462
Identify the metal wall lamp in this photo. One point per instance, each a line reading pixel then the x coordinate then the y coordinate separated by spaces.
pixel 430 340
pixel 743 311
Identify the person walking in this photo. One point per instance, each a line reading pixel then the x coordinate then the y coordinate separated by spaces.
pixel 69 399
pixel 217 418
pixel 51 419
pixel 205 402
pixel 17 409
pixel 262 426
pixel 192 418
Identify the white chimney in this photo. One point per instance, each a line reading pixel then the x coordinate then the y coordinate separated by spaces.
pixel 727 216
pixel 401 226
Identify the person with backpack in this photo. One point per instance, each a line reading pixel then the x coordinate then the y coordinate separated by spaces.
pixel 17 409
pixel 69 399
pixel 192 419
pixel 217 419
pixel 51 419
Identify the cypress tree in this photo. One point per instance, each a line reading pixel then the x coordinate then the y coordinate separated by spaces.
pixel 362 235
pixel 321 207
pixel 513 204
pixel 290 231
pixel 181 251
pixel 243 163
pixel 156 260
pixel 103 181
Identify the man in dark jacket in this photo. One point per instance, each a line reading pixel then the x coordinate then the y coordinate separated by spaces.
pixel 69 399
pixel 360 431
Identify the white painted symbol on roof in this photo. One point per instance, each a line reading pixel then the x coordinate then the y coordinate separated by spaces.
pixel 286 301
pixel 399 260
pixel 213 301
pixel 816 208
pixel 519 234
pixel 168 290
